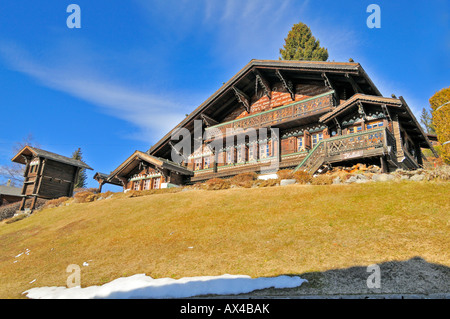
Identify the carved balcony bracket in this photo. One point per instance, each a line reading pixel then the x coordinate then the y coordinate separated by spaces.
pixel 260 80
pixel 287 84
pixel 338 126
pixel 386 112
pixel 361 110
pixel 208 121
pixel 329 85
pixel 242 98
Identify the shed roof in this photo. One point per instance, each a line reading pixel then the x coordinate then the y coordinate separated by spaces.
pixel 29 151
pixel 9 190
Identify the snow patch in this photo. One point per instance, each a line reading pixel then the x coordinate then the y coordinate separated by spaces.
pixel 142 286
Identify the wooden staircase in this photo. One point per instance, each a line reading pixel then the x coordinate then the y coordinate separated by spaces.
pixel 371 143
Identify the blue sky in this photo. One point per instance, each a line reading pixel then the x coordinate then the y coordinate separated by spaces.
pixel 135 68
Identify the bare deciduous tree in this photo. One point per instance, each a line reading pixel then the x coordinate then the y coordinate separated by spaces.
pixel 14 171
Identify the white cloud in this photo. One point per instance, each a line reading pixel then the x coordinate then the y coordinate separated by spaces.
pixel 152 113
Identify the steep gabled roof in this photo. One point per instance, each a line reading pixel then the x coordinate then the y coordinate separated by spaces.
pixel 243 79
pixel 28 151
pixel 132 161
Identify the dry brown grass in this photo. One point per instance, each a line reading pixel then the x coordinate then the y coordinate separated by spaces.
pixel 246 180
pixel 257 232
pixel 285 174
pixel 55 202
pixel 84 197
pixel 217 184
pixel 322 180
pixel 302 177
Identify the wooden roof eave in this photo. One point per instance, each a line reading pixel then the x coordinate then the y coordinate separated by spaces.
pixel 422 133
pixel 351 102
pixel 138 155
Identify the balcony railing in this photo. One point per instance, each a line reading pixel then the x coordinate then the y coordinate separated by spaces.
pixel 345 147
pixel 279 115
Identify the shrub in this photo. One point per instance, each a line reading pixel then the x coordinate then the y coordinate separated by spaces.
pixel 84 197
pixel 217 183
pixel 106 194
pixel 244 179
pixel 322 180
pixel 302 177
pixel 440 173
pixel 82 190
pixel 8 211
pixel 269 183
pixel 55 202
pixel 285 174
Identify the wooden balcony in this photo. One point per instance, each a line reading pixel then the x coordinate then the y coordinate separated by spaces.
pixel 294 111
pixel 370 143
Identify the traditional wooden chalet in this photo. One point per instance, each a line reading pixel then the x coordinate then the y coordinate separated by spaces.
pixel 142 171
pixel 47 175
pixel 325 113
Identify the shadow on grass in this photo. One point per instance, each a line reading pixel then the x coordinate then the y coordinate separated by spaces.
pixel 413 276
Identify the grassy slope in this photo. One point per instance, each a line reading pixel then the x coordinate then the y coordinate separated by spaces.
pixel 257 232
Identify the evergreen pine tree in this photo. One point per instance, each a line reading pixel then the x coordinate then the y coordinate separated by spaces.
pixel 82 176
pixel 427 122
pixel 300 44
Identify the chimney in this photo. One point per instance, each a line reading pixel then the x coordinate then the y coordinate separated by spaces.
pixel 8 183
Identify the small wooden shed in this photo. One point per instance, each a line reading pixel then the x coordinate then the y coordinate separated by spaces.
pixel 47 175
pixel 9 194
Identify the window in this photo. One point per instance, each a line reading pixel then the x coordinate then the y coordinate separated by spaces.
pixel 316 138
pixel 230 156
pixel 264 150
pixel 198 163
pixel 300 144
pixel 250 152
pixel 136 185
pixel 374 125
pixel 33 169
pixel 354 129
pixel 147 184
pixel 206 162
pixel 156 183
pixel 240 157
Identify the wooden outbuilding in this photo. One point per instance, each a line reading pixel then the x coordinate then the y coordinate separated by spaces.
pixel 47 175
pixel 9 194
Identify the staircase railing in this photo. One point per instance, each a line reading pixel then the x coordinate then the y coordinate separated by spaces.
pixel 346 144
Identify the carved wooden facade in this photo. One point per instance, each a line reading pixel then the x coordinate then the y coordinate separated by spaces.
pixel 142 171
pixel 300 115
